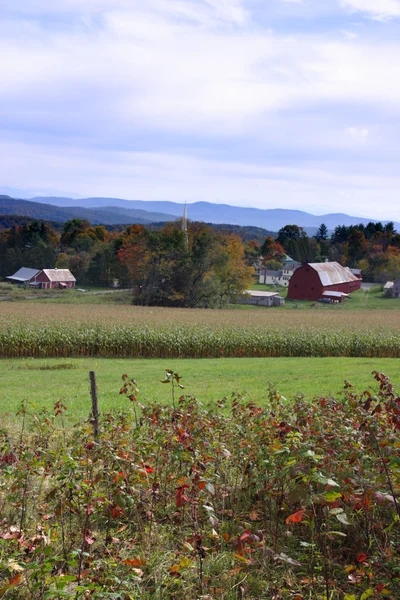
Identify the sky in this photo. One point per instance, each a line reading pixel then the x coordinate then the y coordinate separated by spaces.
pixel 263 103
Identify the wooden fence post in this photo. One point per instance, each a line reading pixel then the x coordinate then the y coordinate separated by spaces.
pixel 95 404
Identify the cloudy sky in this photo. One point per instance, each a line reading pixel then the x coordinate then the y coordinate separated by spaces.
pixel 265 103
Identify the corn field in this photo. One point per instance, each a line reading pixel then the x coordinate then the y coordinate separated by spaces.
pixel 192 342
pixel 138 332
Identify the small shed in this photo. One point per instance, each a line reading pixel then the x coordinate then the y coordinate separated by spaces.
pixel 334 296
pixel 23 276
pixel 54 278
pixel 388 288
pixel 257 298
pixel 396 288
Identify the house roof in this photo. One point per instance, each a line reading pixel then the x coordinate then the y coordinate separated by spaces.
pixel 331 273
pixel 271 273
pixel 24 274
pixel 287 259
pixel 59 274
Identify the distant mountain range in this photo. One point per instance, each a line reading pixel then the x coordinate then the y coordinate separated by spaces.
pixel 105 215
pixel 111 211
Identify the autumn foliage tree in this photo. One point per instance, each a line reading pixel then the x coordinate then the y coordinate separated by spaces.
pixel 272 250
pixel 169 268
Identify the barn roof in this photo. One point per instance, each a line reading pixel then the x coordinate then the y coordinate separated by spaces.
pixel 23 274
pixel 331 273
pixel 59 274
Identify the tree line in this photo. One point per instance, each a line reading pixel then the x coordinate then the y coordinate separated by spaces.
pixel 374 248
pixel 203 266
pixel 165 266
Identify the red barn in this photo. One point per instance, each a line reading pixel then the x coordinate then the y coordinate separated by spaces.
pixel 54 278
pixel 313 281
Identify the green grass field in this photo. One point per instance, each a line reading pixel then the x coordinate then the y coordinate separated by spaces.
pixel 44 381
pixel 372 298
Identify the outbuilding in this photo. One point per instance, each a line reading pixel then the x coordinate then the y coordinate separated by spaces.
pixel 54 278
pixel 23 276
pixel 312 280
pixel 259 298
pixel 396 288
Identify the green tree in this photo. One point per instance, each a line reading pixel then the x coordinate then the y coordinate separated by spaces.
pixel 289 232
pixel 322 233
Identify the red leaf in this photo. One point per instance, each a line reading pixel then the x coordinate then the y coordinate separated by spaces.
pixel 245 535
pixel 296 517
pixel 11 583
pixel 181 498
pixel 361 557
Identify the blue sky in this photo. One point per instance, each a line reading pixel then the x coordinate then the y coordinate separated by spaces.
pixel 265 103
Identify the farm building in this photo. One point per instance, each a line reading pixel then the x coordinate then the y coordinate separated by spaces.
pixel 281 277
pixel 262 298
pixel 388 288
pixel 392 288
pixel 357 272
pixel 23 275
pixel 311 281
pixel 53 278
pixel 396 288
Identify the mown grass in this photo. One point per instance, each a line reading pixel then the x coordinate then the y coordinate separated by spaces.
pixel 363 299
pixel 91 295
pixel 44 381
pixel 370 299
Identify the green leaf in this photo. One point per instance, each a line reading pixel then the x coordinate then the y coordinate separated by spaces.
pixel 369 592
pixel 332 496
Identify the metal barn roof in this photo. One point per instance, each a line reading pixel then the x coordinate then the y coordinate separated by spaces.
pixel 335 294
pixel 59 274
pixel 259 294
pixel 24 274
pixel 331 273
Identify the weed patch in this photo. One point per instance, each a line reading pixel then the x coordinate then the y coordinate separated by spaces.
pixel 283 502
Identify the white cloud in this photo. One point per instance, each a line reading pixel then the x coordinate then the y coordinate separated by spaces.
pixel 377 9
pixel 202 11
pixel 350 35
pixel 144 69
pixel 152 175
pixel 198 78
pixel 357 133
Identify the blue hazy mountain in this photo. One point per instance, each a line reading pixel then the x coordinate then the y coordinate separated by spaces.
pixel 271 219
